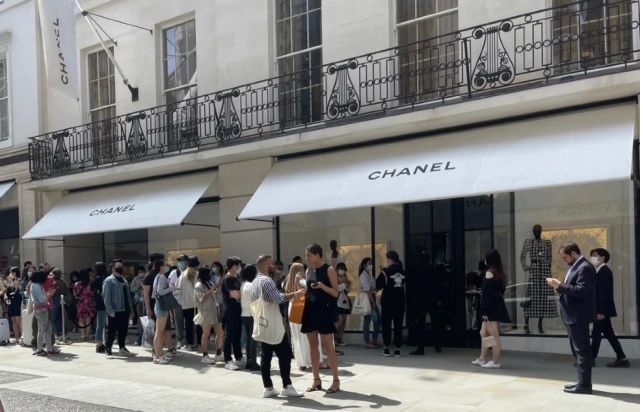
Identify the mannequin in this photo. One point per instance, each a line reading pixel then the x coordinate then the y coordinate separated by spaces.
pixel 540 301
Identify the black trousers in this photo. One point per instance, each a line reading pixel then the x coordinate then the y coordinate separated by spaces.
pixel 579 342
pixel 188 322
pixel 604 328
pixel 284 354
pixel 436 327
pixel 395 315
pixel 251 345
pixel 232 339
pixel 117 326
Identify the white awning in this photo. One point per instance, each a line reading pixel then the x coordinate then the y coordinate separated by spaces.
pixel 5 187
pixel 566 149
pixel 153 203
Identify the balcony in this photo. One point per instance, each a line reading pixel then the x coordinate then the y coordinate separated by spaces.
pixel 558 44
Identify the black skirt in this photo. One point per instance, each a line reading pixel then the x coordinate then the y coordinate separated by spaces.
pixel 319 317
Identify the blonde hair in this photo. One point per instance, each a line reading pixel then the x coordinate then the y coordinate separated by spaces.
pixel 295 269
pixel 191 274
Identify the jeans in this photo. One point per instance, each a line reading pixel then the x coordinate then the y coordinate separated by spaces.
pixel 44 330
pixel 179 324
pixel 117 325
pixel 232 338
pixel 57 319
pixel 604 328
pixel 251 345
pixel 395 315
pixel 374 317
pixel 284 354
pixel 101 320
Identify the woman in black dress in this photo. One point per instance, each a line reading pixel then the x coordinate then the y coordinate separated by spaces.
pixel 320 313
pixel 492 309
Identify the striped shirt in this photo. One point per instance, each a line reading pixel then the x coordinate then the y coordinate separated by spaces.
pixel 264 284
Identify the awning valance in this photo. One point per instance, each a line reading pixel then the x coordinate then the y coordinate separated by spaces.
pixel 154 203
pixel 565 149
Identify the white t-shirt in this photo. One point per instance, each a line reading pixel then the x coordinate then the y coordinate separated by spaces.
pixel 246 299
pixel 367 282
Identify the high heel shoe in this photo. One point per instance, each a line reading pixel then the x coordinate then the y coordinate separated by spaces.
pixel 334 390
pixel 316 386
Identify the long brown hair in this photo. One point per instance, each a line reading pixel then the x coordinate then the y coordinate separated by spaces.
pixel 191 274
pixel 290 280
pixel 495 266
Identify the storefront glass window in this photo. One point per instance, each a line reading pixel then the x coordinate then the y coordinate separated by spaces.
pixel 9 239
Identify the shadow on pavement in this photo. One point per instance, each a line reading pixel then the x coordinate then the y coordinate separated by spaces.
pixel 623 397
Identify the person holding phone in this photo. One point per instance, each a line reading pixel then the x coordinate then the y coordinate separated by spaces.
pixel 320 313
pixel 392 279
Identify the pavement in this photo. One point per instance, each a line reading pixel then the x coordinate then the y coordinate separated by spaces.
pixel 81 380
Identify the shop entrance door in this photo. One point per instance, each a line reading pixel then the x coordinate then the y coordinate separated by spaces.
pixel 445 241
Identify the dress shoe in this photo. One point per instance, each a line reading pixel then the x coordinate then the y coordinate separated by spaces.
pixel 581 390
pixel 619 363
pixel 571 385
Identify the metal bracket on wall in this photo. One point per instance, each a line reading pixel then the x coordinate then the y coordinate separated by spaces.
pixel 271 221
pixel 48 240
pixel 199 224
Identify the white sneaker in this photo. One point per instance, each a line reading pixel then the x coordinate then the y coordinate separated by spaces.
pixel 491 364
pixel 231 366
pixel 219 358
pixel 207 360
pixel 478 362
pixel 160 361
pixel 270 393
pixel 291 392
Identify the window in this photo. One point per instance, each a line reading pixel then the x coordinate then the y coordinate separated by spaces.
pixel 4 98
pixel 102 105
pixel 180 83
pixel 427 69
pixel 299 53
pixel 591 33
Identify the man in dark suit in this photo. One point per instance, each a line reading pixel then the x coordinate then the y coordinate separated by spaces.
pixel 578 310
pixel 605 309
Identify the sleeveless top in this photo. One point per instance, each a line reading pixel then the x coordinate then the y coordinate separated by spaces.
pixel 318 296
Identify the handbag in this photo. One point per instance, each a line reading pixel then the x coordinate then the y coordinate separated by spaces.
pixel 198 319
pixel 296 313
pixel 488 342
pixel 362 306
pixel 167 302
pixel 268 325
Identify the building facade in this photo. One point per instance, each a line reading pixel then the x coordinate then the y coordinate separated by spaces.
pixel 439 129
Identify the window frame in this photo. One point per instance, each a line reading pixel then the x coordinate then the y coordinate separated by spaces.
pixel 171 24
pixel 5 52
pixel 96 50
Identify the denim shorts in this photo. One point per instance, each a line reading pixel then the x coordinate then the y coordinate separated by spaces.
pixel 158 312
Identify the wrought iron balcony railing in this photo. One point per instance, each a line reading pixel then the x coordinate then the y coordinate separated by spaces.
pixel 568 41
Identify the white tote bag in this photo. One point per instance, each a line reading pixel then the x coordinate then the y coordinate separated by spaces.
pixel 362 305
pixel 268 326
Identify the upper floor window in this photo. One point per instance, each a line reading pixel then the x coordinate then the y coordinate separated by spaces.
pixel 299 50
pixel 101 86
pixel 4 98
pixel 179 62
pixel 424 67
pixel 591 33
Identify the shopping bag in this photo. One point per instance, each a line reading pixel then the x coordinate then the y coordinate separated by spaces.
pixel 268 324
pixel 362 305
pixel 296 313
pixel 488 342
pixel 148 331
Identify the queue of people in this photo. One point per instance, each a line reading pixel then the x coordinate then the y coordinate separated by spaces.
pixel 188 304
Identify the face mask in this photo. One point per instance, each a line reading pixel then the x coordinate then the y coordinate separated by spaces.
pixel 119 270
pixel 182 265
pixel 369 267
pixel 594 260
pixel 341 272
pixel 215 271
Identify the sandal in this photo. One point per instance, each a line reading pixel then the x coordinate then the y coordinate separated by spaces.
pixel 331 390
pixel 316 386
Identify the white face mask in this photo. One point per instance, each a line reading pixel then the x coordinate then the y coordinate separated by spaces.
pixel 369 267
pixel 341 272
pixel 594 260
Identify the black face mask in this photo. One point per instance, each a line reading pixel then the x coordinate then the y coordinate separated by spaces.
pixel 119 270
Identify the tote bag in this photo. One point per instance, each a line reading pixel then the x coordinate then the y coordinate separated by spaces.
pixel 362 305
pixel 296 314
pixel 268 326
